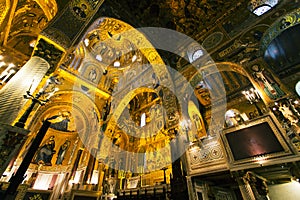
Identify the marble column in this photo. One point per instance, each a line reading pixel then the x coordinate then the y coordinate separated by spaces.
pixel 245 189
pixel 179 189
pixel 90 167
pixel 191 190
pixel 26 79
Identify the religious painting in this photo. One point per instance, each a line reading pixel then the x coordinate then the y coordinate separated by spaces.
pixel 56 149
pixel 197 122
pixel 62 152
pixel 202 93
pixel 92 72
pixel 253 141
pixel 59 142
pixel 267 82
pixel 256 139
pixel 45 152
pixel 63 121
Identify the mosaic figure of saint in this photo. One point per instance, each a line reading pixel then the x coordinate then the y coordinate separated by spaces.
pixel 267 82
pixel 62 152
pixel 45 152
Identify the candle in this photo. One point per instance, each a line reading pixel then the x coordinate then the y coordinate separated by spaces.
pixel 29 89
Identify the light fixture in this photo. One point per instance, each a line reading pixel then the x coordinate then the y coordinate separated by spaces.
pixel 260 159
pixel 32 43
pixel 297 88
pixel 260 7
pixel 117 64
pixel 134 57
pixel 197 54
pixel 11 65
pixel 86 42
pixel 2 64
pixel 253 97
pixel 6 71
pixel 8 75
pixel 99 57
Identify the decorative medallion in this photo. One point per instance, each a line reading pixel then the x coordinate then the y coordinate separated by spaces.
pixel 204 155
pixel 195 157
pixel 81 9
pixel 213 40
pixel 216 152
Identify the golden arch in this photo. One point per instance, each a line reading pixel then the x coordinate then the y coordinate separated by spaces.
pixel 229 66
pixel 66 99
pixel 108 28
pixel 117 27
pixel 125 101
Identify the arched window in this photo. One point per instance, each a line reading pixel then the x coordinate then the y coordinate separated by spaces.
pixel 297 87
pixel 260 7
pixel 143 119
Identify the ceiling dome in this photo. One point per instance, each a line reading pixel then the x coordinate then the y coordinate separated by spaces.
pixel 110 47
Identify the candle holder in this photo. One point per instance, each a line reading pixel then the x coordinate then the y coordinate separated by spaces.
pixel 253 97
pixel 42 97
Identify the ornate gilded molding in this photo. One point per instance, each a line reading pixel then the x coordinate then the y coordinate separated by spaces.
pixel 72 21
pixel 208 155
pixel 50 52
pixel 280 25
pixel 49 7
pixel 11 138
pixel 4 8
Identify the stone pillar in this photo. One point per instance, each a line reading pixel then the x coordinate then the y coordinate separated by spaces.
pixel 76 163
pixel 101 168
pixel 18 177
pixel 244 186
pixel 258 185
pixel 245 189
pixel 191 191
pixel 179 188
pixel 90 167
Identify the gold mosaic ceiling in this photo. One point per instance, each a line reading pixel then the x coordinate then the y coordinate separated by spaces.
pixel 206 20
pixel 191 17
pixel 20 24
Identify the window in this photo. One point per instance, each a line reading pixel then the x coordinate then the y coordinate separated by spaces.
pixel 260 7
pixel 143 119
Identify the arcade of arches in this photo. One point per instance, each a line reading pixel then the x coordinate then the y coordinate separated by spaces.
pixel 172 99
